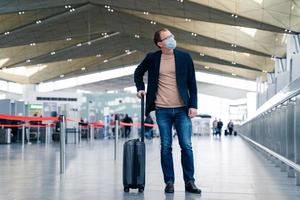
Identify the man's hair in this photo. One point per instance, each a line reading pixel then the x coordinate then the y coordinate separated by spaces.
pixel 156 37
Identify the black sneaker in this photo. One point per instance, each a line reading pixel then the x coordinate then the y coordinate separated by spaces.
pixel 169 188
pixel 192 188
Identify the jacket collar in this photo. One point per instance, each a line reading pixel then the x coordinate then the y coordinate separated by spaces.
pixel 159 52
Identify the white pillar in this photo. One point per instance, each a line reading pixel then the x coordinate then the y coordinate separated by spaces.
pixel 28 90
pixel 251 103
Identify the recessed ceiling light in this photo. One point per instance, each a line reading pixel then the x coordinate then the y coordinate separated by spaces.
pixel 234 15
pixel 137 36
pixel 38 21
pixel 83 68
pixel 68 6
pixel 72 10
pixel 89 43
pixel 105 61
pixel 69 38
pixel 6 33
pixel 194 34
pixel 273 57
pixel 293 6
pixel 206 67
pixel 79 45
pixel 98 55
pixel 153 22
pixel 53 53
pixel 233 74
pixel 61 76
pixel 32 44
pixel 202 54
pixel 109 9
pixel 233 62
pixel 21 13
pixel 28 61
pixel 264 71
pixel 146 13
pixel 69 60
pixel 188 20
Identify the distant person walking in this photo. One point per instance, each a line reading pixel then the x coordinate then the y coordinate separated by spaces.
pixel 127 128
pixel 219 127
pixel 230 127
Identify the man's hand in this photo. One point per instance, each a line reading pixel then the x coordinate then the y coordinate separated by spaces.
pixel 192 112
pixel 140 93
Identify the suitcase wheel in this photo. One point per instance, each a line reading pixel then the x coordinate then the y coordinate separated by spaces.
pixel 126 189
pixel 141 190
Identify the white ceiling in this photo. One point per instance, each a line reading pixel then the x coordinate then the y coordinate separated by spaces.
pixel 223 36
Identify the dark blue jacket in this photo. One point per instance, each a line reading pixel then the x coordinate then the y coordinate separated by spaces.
pixel 185 78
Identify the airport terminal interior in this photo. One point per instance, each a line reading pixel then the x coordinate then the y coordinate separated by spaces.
pixel 69 107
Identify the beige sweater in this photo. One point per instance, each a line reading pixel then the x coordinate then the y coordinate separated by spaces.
pixel 167 94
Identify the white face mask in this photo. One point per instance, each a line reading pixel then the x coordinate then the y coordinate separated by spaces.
pixel 170 43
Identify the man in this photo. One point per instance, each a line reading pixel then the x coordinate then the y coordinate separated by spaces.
pixel 219 127
pixel 215 124
pixel 172 93
pixel 127 128
pixel 149 129
pixel 230 127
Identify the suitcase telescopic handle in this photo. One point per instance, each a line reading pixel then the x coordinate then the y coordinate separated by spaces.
pixel 142 118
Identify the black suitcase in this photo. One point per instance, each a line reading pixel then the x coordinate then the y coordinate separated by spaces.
pixel 226 132
pixel 5 136
pixel 56 136
pixel 134 160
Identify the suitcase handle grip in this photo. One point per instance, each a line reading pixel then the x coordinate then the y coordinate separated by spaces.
pixel 142 118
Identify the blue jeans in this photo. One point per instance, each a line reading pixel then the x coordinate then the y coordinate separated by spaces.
pixel 165 118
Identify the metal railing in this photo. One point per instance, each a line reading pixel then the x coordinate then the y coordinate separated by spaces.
pixel 275 130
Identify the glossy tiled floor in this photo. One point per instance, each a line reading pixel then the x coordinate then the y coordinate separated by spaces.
pixel 226 168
